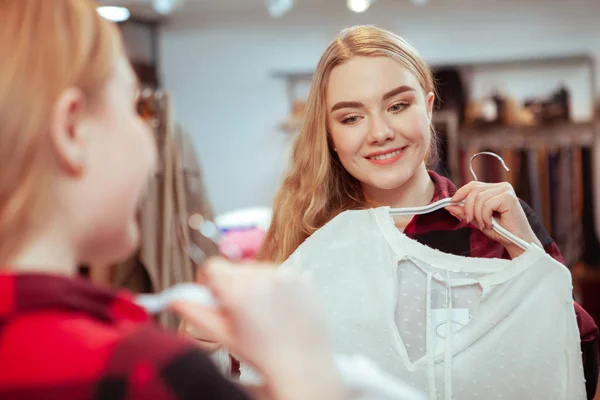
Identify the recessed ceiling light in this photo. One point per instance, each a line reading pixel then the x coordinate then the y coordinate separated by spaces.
pixel 115 14
pixel 359 6
pixel 278 8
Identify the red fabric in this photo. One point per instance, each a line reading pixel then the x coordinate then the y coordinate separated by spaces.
pixel 445 232
pixel 63 338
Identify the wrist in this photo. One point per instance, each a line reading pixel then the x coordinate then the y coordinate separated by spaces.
pixel 306 377
pixel 515 251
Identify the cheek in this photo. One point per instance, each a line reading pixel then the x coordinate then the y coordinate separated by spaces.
pixel 348 142
pixel 414 126
pixel 125 158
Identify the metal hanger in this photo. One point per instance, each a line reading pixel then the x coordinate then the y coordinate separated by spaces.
pixel 448 202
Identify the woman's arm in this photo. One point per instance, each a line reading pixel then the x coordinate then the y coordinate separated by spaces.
pixel 271 319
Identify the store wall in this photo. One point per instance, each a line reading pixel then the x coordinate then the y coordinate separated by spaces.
pixel 218 68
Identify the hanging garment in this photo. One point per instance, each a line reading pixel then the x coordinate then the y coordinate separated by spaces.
pixel 533 176
pixel 523 187
pixel 567 229
pixel 591 252
pixel 553 185
pixel 456 327
pixel 175 193
pixel 544 170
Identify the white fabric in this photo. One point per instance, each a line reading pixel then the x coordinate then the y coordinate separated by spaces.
pixel 514 333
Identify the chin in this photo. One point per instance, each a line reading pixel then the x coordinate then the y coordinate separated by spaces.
pixel 390 181
pixel 388 185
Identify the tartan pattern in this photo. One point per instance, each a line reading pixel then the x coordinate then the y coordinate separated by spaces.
pixel 63 338
pixel 444 232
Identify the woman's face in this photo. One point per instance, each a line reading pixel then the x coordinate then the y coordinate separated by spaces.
pixel 378 117
pixel 118 157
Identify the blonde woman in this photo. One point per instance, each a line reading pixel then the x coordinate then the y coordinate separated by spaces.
pixel 367 140
pixel 74 161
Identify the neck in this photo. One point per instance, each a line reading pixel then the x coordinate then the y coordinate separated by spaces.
pixel 417 191
pixel 49 251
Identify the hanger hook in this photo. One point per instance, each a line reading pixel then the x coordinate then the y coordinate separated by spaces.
pixel 488 153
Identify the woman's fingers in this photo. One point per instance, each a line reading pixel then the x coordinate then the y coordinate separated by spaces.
pixel 477 205
pixel 208 323
pixel 484 206
pixel 457 211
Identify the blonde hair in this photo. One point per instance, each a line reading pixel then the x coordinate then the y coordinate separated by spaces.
pixel 45 47
pixel 317 187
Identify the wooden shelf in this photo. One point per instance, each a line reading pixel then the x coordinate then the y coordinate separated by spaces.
pixel 549 136
pixel 554 60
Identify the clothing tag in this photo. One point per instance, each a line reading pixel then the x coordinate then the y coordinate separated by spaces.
pixel 439 321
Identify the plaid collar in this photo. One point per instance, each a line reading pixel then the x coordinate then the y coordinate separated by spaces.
pixel 443 187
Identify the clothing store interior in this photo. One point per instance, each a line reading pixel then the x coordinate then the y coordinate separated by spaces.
pixel 432 167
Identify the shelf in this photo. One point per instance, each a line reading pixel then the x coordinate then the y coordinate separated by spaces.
pixel 549 136
pixel 304 75
pixel 567 59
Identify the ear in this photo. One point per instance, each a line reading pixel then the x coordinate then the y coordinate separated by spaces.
pixel 430 101
pixel 66 134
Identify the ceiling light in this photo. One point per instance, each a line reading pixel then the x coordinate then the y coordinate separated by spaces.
pixel 115 14
pixel 277 8
pixel 165 6
pixel 359 6
pixel 419 2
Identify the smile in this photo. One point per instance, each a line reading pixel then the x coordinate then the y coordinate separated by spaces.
pixel 386 158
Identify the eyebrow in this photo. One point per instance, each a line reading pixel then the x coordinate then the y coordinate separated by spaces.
pixel 386 96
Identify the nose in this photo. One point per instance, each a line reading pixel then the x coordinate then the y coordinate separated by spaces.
pixel 380 131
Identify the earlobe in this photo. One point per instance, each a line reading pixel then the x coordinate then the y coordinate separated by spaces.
pixel 65 132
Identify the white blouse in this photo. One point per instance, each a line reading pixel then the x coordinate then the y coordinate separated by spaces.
pixel 452 326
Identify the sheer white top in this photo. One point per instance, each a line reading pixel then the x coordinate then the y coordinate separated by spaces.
pixel 455 327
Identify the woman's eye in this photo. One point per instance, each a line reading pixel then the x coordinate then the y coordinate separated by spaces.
pixel 398 107
pixel 351 120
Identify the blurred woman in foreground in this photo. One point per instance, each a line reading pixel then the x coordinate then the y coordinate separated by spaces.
pixel 74 161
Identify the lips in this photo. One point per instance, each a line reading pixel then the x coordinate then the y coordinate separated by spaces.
pixel 386 157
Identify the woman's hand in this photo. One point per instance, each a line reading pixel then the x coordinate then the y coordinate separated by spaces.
pixel 484 200
pixel 272 320
pixel 201 338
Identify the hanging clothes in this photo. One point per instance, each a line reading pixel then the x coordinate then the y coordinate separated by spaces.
pixel 453 326
pixel 176 192
pixel 545 187
pixel 533 176
pixel 567 229
pixel 523 188
pixel 591 252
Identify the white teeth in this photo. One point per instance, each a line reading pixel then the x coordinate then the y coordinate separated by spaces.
pixel 386 156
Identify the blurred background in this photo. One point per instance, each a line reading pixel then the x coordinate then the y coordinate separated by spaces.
pixel 226 81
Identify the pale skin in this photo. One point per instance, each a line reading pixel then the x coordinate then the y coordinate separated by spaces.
pixel 103 156
pixel 375 105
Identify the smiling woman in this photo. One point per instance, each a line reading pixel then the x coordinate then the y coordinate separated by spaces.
pixel 367 127
pixel 366 145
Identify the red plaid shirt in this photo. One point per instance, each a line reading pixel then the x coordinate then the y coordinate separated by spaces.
pixel 442 231
pixel 64 338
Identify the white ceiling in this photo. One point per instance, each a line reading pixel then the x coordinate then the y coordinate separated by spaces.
pixel 144 7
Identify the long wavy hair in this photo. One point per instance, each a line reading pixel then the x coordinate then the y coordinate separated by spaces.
pixel 316 187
